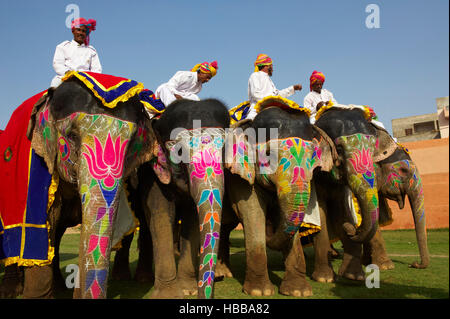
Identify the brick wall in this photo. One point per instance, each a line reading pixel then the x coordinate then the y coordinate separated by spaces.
pixel 432 160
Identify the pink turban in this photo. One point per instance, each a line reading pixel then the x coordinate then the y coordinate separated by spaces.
pixel 89 24
pixel 316 76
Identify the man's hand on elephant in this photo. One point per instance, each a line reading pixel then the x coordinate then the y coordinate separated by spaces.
pixel 319 105
pixel 178 97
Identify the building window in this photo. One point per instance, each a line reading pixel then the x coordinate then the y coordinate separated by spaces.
pixel 424 127
pixel 408 131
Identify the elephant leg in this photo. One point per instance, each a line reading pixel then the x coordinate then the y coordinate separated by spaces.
pixel 38 282
pixel 59 284
pixel 294 282
pixel 121 268
pixel 351 267
pixel 12 283
pixel 248 206
pixel 323 270
pixel 144 269
pixel 229 222
pixel 375 253
pixel 160 214
pixel 189 248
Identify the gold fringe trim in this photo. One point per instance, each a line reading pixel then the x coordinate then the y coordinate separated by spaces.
pixel 231 111
pixel 283 100
pixel 312 229
pixel 403 147
pixel 151 107
pixel 123 98
pixel 323 109
pixel 357 210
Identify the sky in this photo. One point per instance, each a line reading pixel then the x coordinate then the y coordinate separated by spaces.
pixel 399 67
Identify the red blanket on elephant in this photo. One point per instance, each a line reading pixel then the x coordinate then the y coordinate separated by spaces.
pixel 109 89
pixel 24 188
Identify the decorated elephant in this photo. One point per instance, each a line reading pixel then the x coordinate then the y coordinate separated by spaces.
pixel 398 176
pixel 355 141
pixel 269 186
pixel 91 132
pixel 186 175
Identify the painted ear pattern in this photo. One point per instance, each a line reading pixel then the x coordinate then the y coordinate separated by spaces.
pixel 385 145
pixel 44 137
pixel 160 165
pixel 240 155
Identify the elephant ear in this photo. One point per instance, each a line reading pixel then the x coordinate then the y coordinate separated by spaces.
pixel 42 132
pixel 240 152
pixel 385 146
pixel 158 157
pixel 141 147
pixel 329 156
pixel 160 164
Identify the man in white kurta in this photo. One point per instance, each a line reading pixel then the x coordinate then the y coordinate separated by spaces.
pixel 318 96
pixel 186 84
pixel 76 55
pixel 260 85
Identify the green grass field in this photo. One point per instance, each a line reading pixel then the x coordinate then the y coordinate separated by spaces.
pixel 401 282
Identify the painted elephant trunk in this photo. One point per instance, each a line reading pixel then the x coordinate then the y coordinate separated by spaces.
pixel 207 187
pixel 416 200
pixel 293 206
pixel 99 183
pixel 361 177
pixel 369 216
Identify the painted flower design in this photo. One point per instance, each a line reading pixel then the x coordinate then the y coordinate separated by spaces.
pixel 64 148
pixel 105 163
pixel 206 164
pixel 362 161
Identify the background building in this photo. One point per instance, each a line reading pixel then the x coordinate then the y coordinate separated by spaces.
pixel 423 127
pixel 442 112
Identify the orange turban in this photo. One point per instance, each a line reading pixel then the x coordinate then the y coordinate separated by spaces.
pixel 206 67
pixel 262 59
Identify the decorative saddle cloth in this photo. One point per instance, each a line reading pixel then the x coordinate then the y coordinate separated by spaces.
pixel 369 113
pixel 27 189
pixel 241 111
pixel 110 90
pixel 26 193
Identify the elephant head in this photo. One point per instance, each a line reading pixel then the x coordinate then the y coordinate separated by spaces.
pixel 283 163
pixel 356 142
pixel 94 149
pixel 398 176
pixel 192 135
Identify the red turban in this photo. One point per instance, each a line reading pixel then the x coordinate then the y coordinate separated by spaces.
pixel 316 76
pixel 89 24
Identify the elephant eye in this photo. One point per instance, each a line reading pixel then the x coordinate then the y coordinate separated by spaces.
pixel 403 171
pixel 73 137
